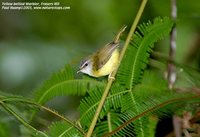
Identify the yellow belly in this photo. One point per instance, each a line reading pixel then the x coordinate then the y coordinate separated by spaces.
pixel 109 66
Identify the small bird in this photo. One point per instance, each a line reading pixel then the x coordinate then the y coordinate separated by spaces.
pixel 104 61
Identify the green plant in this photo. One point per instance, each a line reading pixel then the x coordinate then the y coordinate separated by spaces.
pixel 137 98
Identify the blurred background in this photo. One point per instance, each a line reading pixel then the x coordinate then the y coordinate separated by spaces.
pixel 36 43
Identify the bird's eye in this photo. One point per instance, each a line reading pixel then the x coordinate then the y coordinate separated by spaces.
pixel 86 64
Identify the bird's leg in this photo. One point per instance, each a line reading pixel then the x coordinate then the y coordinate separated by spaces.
pixel 111 77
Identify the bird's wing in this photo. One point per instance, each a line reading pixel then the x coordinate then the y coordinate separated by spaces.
pixel 103 55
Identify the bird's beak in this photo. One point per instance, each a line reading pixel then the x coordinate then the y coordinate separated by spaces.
pixel 78 71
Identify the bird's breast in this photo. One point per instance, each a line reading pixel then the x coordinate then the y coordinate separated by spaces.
pixel 109 66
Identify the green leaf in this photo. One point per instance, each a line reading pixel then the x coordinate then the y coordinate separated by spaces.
pixel 133 100
pixel 132 68
pixel 16 100
pixel 111 121
pixel 138 52
pixel 63 129
pixel 89 104
pixel 63 83
pixel 129 74
pixel 150 93
pixel 160 106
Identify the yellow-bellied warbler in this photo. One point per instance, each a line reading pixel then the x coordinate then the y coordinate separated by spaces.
pixel 104 61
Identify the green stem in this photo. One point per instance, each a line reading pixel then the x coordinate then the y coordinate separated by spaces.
pixel 149 111
pixel 10 99
pixel 20 119
pixel 139 120
pixel 110 80
pixel 109 122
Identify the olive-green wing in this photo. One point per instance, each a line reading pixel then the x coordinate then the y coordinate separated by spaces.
pixel 103 55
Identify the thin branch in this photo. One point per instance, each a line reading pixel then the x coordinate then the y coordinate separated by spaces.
pixel 172 51
pixel 110 80
pixel 20 119
pixel 109 122
pixel 10 99
pixel 177 125
pixel 150 111
pixel 171 66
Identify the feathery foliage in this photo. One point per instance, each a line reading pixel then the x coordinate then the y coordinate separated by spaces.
pixel 163 109
pixel 138 52
pixel 136 100
pixel 89 104
pixel 63 83
pixel 133 65
pixel 63 129
pixel 110 122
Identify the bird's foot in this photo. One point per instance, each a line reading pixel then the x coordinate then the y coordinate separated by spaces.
pixel 111 77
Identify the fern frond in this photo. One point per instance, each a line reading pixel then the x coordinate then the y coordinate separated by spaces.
pixel 13 99
pixel 63 129
pixel 152 83
pixel 130 100
pixel 134 63
pixel 156 107
pixel 120 100
pixel 21 119
pixel 149 94
pixel 130 103
pixel 136 57
pixel 63 83
pixel 89 104
pixel 111 121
